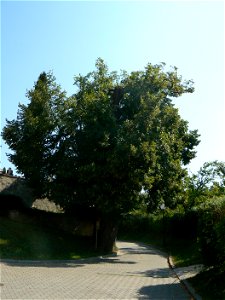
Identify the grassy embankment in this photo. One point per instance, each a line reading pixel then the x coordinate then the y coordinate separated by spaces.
pixel 20 240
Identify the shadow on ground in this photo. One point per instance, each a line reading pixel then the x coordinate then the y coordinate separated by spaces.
pixel 142 249
pixel 163 292
pixel 64 263
pixel 155 273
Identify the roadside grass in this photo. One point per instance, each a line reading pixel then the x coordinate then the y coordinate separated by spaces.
pixel 210 284
pixel 31 241
pixel 184 252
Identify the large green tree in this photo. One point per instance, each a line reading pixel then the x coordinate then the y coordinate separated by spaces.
pixel 117 136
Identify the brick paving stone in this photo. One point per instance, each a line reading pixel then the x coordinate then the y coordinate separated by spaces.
pixel 137 272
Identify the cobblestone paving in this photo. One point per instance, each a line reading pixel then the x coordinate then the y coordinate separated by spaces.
pixel 137 272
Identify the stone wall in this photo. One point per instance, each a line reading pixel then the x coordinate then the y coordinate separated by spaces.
pixel 13 189
pixel 16 186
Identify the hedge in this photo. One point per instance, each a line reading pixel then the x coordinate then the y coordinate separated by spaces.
pixel 211 233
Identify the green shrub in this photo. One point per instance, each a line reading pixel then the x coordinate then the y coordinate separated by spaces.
pixel 211 231
pixel 173 224
pixel 135 225
pixel 220 235
pixel 183 225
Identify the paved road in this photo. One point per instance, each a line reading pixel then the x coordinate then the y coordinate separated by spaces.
pixel 137 272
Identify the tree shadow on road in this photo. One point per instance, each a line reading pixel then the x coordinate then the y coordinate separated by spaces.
pixel 140 248
pixel 163 291
pixel 64 263
pixel 156 273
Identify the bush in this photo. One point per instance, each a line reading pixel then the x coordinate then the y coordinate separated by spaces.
pixel 173 224
pixel 183 225
pixel 211 231
pixel 135 225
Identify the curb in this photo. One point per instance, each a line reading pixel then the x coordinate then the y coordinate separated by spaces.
pixel 189 289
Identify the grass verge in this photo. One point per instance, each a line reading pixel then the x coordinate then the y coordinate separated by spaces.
pixel 210 284
pixel 184 252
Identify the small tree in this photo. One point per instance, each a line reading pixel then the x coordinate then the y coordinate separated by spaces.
pixel 207 183
pixel 30 135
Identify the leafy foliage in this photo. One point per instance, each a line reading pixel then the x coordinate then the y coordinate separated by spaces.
pixel 211 232
pixel 211 215
pixel 30 135
pixel 209 182
pixel 116 136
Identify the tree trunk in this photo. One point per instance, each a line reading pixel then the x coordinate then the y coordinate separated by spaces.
pixel 107 234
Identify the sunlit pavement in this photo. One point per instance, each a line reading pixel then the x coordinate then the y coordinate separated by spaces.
pixel 137 272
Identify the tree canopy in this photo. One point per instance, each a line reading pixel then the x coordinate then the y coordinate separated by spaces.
pixel 119 135
pixel 208 182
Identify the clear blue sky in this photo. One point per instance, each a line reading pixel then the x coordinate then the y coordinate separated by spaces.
pixel 68 36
